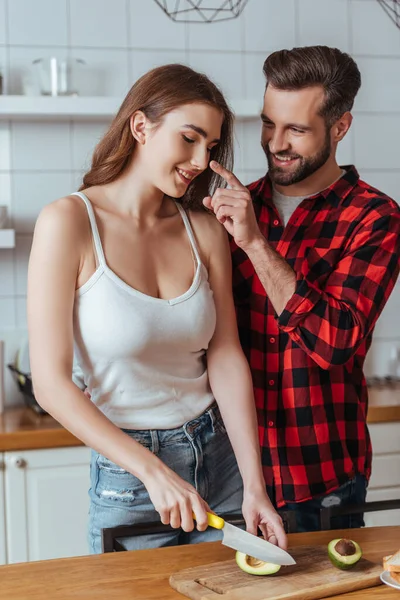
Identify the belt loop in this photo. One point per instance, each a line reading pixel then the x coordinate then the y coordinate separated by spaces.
pixel 155 445
pixel 212 415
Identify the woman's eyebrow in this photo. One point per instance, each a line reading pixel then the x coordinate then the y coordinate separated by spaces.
pixel 200 131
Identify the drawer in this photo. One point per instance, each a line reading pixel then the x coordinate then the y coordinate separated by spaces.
pixel 385 438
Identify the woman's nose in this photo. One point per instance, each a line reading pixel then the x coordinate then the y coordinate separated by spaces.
pixel 200 159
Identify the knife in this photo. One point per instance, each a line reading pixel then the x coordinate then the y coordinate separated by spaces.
pixel 250 544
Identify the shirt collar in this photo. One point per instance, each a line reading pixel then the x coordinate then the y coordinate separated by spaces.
pixel 334 194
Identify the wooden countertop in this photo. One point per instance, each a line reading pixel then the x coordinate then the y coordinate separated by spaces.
pixel 23 429
pixel 384 404
pixel 144 574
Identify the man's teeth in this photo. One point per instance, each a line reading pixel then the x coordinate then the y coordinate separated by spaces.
pixel 284 158
pixel 185 174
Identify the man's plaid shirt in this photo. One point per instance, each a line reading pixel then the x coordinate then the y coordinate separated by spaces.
pixel 307 363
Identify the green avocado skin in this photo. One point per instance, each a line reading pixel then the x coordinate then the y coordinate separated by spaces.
pixel 336 560
pixel 269 568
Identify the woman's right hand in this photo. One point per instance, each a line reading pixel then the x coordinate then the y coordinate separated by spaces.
pixel 176 500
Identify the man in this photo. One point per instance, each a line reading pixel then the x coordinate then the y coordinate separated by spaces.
pixel 315 257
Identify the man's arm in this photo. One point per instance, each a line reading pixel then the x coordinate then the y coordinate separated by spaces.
pixel 328 323
pixel 276 276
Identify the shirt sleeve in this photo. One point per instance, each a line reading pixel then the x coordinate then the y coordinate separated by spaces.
pixel 334 309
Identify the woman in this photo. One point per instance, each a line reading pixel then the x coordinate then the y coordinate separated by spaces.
pixel 136 278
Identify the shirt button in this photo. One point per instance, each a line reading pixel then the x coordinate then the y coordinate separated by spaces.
pixel 270 423
pixel 271 382
pixel 276 222
pixel 272 340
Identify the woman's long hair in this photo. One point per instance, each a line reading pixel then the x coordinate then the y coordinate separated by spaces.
pixel 156 93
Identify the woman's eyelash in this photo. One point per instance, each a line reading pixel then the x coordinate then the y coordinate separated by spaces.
pixel 190 141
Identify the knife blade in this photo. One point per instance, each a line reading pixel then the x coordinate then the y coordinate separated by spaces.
pixel 250 544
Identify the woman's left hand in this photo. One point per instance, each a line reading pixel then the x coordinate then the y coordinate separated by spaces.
pixel 258 511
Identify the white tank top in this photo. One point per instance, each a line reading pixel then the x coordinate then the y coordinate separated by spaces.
pixel 143 358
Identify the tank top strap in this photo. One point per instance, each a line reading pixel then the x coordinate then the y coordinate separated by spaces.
pixel 189 231
pixel 95 232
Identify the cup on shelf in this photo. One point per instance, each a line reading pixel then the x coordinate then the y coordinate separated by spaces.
pixel 3 215
pixel 55 76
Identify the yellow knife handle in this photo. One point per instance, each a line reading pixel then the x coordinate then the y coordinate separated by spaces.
pixel 213 521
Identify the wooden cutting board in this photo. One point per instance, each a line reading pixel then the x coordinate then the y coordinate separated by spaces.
pixel 313 577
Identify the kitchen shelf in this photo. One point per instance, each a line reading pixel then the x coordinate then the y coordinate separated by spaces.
pixel 7 238
pixel 48 108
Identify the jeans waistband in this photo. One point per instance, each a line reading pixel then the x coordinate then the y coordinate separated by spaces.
pixel 153 438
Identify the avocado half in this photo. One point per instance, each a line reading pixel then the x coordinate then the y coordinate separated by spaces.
pixel 344 553
pixel 253 566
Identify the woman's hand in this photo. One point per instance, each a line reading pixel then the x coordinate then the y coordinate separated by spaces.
pixel 258 512
pixel 175 500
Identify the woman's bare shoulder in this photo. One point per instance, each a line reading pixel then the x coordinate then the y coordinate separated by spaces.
pixel 67 215
pixel 206 224
pixel 209 232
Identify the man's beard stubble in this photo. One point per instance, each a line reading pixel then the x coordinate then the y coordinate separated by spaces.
pixel 307 166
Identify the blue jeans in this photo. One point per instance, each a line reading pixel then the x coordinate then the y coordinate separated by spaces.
pixel 308 513
pixel 200 452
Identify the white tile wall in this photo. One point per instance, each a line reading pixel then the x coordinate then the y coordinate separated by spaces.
pixel 23 247
pixel 3 19
pixel 223 36
pixel 106 72
pixel 5 189
pixel 142 61
pixel 37 23
pixel 121 40
pixel 108 24
pixel 84 139
pixel 224 68
pixel 32 191
pixel 269 25
pixel 333 23
pixel 5 146
pixel 380 90
pixel 376 141
pixel 7 314
pixel 150 28
pixel 372 32
pixel 254 80
pixel 41 146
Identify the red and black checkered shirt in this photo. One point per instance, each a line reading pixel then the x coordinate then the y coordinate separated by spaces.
pixel 307 363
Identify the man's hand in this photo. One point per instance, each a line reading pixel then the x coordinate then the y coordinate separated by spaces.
pixel 234 209
pixel 258 512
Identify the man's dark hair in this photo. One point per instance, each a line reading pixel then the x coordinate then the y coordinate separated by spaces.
pixel 310 66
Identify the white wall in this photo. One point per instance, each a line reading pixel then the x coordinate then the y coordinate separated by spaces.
pixel 121 39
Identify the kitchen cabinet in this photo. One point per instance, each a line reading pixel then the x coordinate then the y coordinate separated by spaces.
pixel 3 554
pixel 385 478
pixel 46 503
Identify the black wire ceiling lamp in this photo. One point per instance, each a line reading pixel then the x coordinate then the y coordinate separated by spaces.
pixel 201 11
pixel 392 8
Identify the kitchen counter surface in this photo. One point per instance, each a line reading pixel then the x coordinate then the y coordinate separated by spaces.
pixel 144 574
pixel 384 404
pixel 23 429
